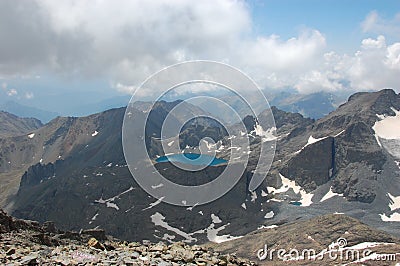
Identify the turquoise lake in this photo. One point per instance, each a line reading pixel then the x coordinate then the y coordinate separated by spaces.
pixel 191 158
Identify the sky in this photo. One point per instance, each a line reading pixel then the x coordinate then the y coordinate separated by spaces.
pixel 60 55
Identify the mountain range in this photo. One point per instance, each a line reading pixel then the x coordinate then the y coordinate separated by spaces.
pixel 313 105
pixel 72 171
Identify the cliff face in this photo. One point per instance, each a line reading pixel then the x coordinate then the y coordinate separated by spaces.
pixel 342 148
pixel 313 165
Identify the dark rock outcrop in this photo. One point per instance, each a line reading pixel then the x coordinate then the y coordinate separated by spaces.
pixel 313 165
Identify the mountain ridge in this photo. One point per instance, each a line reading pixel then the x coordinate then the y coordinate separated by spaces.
pixel 358 177
pixel 12 125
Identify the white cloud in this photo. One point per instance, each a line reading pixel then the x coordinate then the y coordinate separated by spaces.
pixel 375 65
pixel 374 23
pixel 132 39
pixel 124 88
pixel 126 41
pixel 275 63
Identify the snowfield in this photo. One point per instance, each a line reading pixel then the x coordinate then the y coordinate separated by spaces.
pixel 388 127
pixel 306 198
pixel 330 194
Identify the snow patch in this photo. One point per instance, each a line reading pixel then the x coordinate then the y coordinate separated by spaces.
pixel 378 141
pixel 212 234
pixel 191 207
pixel 389 126
pixel 267 227
pixel 340 133
pixel 110 201
pixel 231 137
pixel 311 140
pixel 244 206
pixel 266 135
pixel 95 216
pixel 131 208
pixel 158 219
pixel 209 145
pixel 215 219
pixel 275 200
pixel 221 148
pixel 151 205
pixel 95 133
pixel 394 202
pixel 31 135
pixel 306 198
pixel 330 194
pixel 253 196
pixel 381 117
pixel 269 215
pixel 168 237
pixel 112 205
pixel 395 217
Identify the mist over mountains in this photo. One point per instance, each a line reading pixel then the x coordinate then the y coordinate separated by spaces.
pixel 314 105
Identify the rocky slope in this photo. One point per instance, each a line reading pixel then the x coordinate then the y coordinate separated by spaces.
pixel 12 125
pixel 91 182
pixel 318 234
pixel 30 243
pixel 56 140
pixel 25 242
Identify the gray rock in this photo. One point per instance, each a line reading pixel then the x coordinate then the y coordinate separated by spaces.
pixel 29 260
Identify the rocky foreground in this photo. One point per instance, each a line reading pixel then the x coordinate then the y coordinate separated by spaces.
pixel 29 243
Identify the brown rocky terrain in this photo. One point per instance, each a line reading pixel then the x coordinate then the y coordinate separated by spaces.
pixel 30 243
pixel 12 125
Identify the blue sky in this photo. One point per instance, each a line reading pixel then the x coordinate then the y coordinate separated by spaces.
pixel 339 20
pixel 65 55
